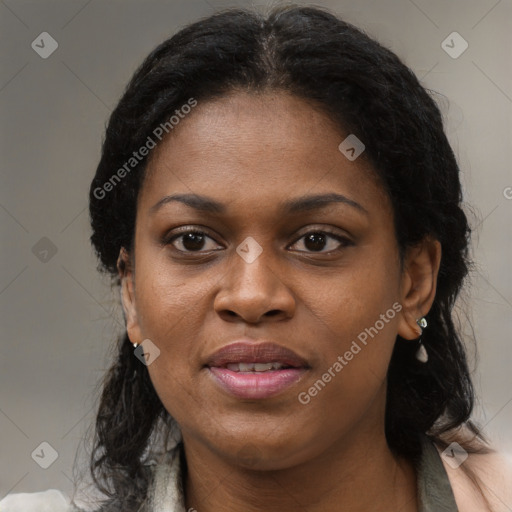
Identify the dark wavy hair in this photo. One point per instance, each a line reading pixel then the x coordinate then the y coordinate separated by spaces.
pixel 368 91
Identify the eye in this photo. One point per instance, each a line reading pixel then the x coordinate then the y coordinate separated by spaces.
pixel 196 241
pixel 190 241
pixel 317 240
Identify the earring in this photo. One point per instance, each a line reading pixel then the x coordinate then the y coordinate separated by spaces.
pixel 421 354
pixel 135 345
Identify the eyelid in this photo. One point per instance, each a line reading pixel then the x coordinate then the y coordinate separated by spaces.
pixel 183 230
pixel 323 229
pixel 343 239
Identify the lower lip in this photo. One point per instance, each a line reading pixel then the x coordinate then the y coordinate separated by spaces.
pixel 256 385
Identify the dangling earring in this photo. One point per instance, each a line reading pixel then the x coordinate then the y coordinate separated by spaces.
pixel 421 354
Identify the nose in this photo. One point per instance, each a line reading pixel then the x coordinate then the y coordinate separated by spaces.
pixel 254 292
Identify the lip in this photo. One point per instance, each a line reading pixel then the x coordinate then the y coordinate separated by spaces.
pixel 246 351
pixel 255 385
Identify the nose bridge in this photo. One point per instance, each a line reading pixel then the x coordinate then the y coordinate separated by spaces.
pixel 253 262
pixel 252 285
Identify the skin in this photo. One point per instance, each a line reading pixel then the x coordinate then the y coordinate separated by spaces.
pixel 252 152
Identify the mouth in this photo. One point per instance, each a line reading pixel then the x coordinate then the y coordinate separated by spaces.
pixel 247 370
pixel 256 367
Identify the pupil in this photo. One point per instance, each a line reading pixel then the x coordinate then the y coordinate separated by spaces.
pixel 317 239
pixel 193 241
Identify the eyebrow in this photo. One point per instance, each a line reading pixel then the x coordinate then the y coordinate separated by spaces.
pixel 300 204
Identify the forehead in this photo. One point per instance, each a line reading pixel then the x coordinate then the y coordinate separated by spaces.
pixel 259 148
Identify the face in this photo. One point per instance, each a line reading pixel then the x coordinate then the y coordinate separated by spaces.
pixel 322 280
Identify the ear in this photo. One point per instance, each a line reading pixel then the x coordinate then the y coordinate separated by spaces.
pixel 418 286
pixel 127 279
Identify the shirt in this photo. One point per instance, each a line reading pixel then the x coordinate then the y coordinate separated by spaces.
pixel 166 494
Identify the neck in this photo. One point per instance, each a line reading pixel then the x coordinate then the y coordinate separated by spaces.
pixel 358 474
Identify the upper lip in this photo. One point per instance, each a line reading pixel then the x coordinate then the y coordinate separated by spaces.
pixel 244 351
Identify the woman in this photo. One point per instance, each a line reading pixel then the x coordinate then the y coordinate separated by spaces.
pixel 283 211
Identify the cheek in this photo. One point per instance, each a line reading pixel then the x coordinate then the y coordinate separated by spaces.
pixel 167 299
pixel 350 379
pixel 355 299
pixel 171 312
pixel 357 314
pixel 357 346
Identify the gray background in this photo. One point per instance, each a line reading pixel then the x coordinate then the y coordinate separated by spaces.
pixel 59 316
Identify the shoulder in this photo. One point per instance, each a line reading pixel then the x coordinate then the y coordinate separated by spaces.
pixel 480 478
pixel 51 500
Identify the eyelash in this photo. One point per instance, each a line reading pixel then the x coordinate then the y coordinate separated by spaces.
pixel 344 242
